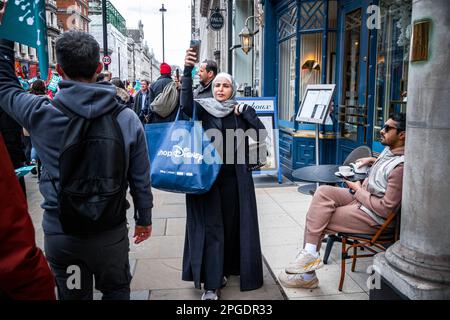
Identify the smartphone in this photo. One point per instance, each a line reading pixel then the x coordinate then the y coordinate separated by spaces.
pixel 177 74
pixel 195 45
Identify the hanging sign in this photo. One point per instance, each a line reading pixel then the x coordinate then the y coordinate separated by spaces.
pixel 216 21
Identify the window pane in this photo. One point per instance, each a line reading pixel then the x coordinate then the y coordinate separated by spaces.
pixel 312 15
pixel 310 50
pixel 287 24
pixel 286 79
pixel 392 61
pixel 332 14
pixel 349 116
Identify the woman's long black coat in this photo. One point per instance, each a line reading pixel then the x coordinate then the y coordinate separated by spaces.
pixel 204 222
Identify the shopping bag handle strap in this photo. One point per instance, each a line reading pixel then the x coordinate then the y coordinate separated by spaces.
pixel 194 113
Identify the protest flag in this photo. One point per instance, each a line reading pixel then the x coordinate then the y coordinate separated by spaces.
pixel 24 21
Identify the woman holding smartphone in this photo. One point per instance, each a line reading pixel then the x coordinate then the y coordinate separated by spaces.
pixel 222 234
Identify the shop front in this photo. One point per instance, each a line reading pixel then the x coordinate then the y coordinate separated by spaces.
pixel 372 70
pixel 359 45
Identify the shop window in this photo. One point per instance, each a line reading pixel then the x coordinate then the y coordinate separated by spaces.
pixel 393 42
pixel 331 54
pixel 351 114
pixel 312 15
pixel 286 79
pixel 332 14
pixel 287 24
pixel 310 50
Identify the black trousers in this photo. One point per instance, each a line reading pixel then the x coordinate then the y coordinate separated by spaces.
pixel 76 262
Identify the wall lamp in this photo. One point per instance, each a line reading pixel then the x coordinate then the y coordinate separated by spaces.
pixel 311 65
pixel 246 35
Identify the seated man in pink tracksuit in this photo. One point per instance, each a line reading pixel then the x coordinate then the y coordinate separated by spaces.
pixel 362 208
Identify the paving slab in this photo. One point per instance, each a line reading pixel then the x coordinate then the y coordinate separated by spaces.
pixel 281 236
pixel 350 296
pixel 157 274
pixel 267 292
pixel 280 220
pixel 279 257
pixel 176 227
pixel 159 248
pixel 176 294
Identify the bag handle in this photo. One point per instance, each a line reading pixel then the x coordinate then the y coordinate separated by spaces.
pixel 194 113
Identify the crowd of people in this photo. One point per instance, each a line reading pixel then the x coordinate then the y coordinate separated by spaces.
pixel 91 144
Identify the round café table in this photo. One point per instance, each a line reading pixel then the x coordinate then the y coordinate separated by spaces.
pixel 321 174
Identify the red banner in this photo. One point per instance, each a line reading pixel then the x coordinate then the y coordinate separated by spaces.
pixel 33 71
pixel 19 72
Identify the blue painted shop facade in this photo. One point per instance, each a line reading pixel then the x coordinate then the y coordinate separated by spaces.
pixel 344 42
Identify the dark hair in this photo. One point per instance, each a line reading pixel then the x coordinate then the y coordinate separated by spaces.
pixel 211 66
pixel 100 77
pixel 118 83
pixel 78 54
pixel 400 118
pixel 146 81
pixel 38 88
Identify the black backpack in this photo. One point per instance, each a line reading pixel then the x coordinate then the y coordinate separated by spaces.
pixel 92 175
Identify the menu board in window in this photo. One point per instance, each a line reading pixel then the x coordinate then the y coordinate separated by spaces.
pixel 316 103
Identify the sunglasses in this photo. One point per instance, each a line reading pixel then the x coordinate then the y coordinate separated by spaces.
pixel 387 127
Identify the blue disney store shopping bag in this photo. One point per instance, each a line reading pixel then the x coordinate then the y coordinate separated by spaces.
pixel 182 158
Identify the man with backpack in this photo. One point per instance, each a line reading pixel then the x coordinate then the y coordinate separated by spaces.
pixel 91 149
pixel 163 101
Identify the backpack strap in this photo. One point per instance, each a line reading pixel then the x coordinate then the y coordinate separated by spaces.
pixel 63 109
pixel 118 110
pixel 70 115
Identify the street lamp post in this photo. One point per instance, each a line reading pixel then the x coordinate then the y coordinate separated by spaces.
pixel 162 10
pixel 105 32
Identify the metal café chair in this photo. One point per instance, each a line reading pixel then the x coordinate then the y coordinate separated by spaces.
pixel 387 234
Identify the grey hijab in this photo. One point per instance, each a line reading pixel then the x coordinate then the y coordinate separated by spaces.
pixel 216 108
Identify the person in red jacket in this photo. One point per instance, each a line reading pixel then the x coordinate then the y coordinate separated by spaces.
pixel 24 272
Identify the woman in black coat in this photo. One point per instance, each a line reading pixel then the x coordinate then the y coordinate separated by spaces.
pixel 222 234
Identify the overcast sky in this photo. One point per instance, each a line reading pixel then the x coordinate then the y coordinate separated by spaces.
pixel 177 25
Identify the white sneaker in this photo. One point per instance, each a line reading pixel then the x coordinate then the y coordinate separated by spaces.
pixel 297 281
pixel 304 262
pixel 211 295
pixel 224 282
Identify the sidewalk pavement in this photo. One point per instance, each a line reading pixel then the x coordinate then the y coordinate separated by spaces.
pixel 156 263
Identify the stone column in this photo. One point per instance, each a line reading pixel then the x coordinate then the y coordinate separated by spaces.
pixel 418 266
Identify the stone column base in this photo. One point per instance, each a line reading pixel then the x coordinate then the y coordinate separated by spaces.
pixel 408 286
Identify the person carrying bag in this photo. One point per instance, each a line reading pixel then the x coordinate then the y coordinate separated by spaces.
pixel 222 233
pixel 179 161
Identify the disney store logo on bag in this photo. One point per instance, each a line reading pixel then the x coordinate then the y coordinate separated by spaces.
pixel 178 152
